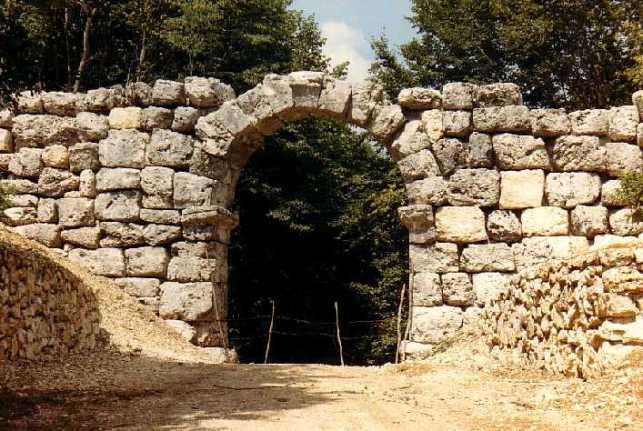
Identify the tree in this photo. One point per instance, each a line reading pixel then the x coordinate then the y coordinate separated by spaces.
pixel 572 53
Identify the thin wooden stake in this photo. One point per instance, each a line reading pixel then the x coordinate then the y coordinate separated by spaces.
pixel 272 323
pixel 222 333
pixel 339 337
pixel 409 318
pixel 399 325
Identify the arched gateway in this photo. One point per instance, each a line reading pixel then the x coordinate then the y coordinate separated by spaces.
pixel 136 184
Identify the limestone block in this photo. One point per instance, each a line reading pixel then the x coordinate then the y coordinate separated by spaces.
pixel 26 163
pixel 453 153
pixel 83 156
pixel 512 119
pixel 147 261
pixel 19 200
pixel 488 258
pixel 419 99
pixel 550 122
pixel 93 127
pixel 87 186
pixel 116 234
pixel 471 315
pixel 118 206
pixel 192 190
pixel 427 289
pixel 6 141
pixel 620 306
pixel 488 285
pixel 46 234
pixel 191 269
pixel 335 98
pixel 167 148
pixel 623 279
pixel 75 212
pixel 457 123
pixel 108 262
pixel 579 153
pixel 479 152
pixel 521 189
pixel 184 329
pixel 185 119
pixel 225 123
pixel 458 95
pixel 474 187
pixel 622 158
pixel 637 101
pixel 366 96
pixel 186 301
pixel 160 216
pixel 609 194
pixel 126 118
pixel 20 186
pixel 498 94
pixel 56 156
pixel 623 223
pixel 59 103
pixel 417 351
pixel 29 102
pixel 168 93
pixel 139 93
pixel 623 121
pixel 434 324
pixel 139 287
pixel 628 333
pixel 460 224
pixel 418 219
pixel 639 135
pixel 590 122
pixel 207 92
pixel 158 234
pixel 5 159
pixel 109 179
pixel 6 118
pixel 504 226
pixel 520 152
pixel 457 289
pixel 589 221
pixel 100 100
pixel 602 241
pixel 386 122
pixel 438 258
pixel 306 88
pixel 42 130
pixel 545 221
pixel 411 140
pixel 19 216
pixel 85 237
pixel 570 189
pixel 536 251
pixel 158 185
pixel 154 117
pixel 198 249
pixel 432 124
pixel 47 211
pixel 123 149
pixel 419 165
pixel 57 182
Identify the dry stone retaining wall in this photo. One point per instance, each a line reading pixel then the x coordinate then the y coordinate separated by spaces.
pixel 136 184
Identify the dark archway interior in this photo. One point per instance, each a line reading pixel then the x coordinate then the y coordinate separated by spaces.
pixel 318 224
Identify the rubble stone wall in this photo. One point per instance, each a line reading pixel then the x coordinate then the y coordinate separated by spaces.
pixel 46 311
pixel 137 183
pixel 574 317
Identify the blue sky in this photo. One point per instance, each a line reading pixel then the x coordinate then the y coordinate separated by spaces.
pixel 350 24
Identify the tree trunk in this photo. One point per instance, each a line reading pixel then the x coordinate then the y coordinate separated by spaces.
pixel 84 60
pixel 141 57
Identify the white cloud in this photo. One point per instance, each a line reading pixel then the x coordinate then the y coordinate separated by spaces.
pixel 345 43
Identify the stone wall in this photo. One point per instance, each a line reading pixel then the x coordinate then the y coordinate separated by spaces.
pixel 46 311
pixel 574 317
pixel 137 183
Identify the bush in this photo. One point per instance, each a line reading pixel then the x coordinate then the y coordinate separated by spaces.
pixel 631 193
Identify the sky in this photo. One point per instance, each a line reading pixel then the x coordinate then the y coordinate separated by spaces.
pixel 349 25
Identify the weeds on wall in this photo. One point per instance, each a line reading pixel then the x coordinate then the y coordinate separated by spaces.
pixel 631 194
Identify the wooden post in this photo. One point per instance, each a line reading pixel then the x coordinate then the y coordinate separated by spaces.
pixel 272 322
pixel 409 318
pixel 399 325
pixel 339 338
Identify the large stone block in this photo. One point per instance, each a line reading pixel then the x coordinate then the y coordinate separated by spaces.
pixel 109 262
pixel 458 95
pixel 207 92
pixel 570 189
pixel 158 185
pixel 192 190
pixel 26 162
pixel 186 301
pixel 498 94
pixel 512 119
pixel 521 189
pixel 460 224
pixel 85 237
pixel 160 216
pixel 438 258
pixel 87 185
pixel 117 179
pixel 427 289
pixel 59 103
pixel 623 158
pixel 125 118
pixel 185 119
pixel 453 153
pixel 579 153
pixel 488 285
pixel 168 93
pixel 419 99
pixel 57 182
pixel 55 156
pixel 589 221
pixel 590 122
pixel 411 140
pixel 93 127
pixel 545 221
pixel 18 216
pixel 191 269
pixel 147 261
pixel 76 212
pixel 418 219
pixel 419 165
pixel 116 234
pixel 622 222
pixel 306 89
pixel 487 258
pixel 504 226
pixel 83 156
pixel 536 251
pixel 457 123
pixel 386 122
pixel 457 289
pixel 335 98
pixel 118 206
pixel 550 122
pixel 623 121
pixel 123 149
pixel 366 96
pixel 432 124
pixel 434 324
pixel 156 118
pixel 42 130
pixel 46 234
pixel 139 287
pixel 474 187
pixel 609 194
pixel 520 152
pixel 6 141
pixel 47 211
pixel 159 234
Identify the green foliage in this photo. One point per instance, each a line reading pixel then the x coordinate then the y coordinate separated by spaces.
pixel 573 54
pixel 5 196
pixel 631 193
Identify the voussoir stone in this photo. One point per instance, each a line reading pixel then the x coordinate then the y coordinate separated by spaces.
pixel 520 152
pixel 470 187
pixel 335 98
pixel 431 191
pixel 123 149
pixel 419 165
pixel 419 98
pixel 521 189
pixel 570 189
pixel 460 224
pixel 488 258
pixel 412 139
pixel 186 301
pixel 366 96
pixel 386 122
